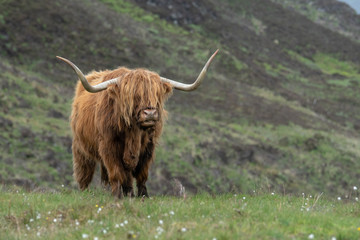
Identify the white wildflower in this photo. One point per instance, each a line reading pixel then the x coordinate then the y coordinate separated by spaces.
pixel 356 199
pixel 31 220
pixel 183 229
pixel 122 225
pixel 311 236
pixel 160 230
pixel 272 193
pixel 38 234
pixel 84 235
pixel 126 222
pixel 55 220
pixel 148 216
pixel 117 226
pixel 171 213
pixel 339 198
pixel 104 231
pixel 355 188
pixel 244 198
pixel 161 222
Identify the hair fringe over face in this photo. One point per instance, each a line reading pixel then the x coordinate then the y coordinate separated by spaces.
pixel 137 90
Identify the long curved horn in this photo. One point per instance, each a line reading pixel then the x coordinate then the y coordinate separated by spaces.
pixel 93 89
pixel 193 86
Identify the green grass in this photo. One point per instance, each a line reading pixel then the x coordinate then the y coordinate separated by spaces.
pixel 95 214
pixel 331 65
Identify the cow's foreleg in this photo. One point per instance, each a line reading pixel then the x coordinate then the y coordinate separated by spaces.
pixel 142 190
pixel 127 185
pixel 131 158
pixel 110 153
pixel 142 170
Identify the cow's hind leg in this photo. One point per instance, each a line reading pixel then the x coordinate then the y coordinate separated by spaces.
pixel 104 175
pixel 83 167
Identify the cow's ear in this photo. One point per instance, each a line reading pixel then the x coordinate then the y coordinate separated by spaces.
pixel 167 88
pixel 112 91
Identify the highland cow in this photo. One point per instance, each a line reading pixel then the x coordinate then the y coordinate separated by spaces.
pixel 117 119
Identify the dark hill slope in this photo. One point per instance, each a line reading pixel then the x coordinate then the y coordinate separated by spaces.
pixel 332 14
pixel 279 108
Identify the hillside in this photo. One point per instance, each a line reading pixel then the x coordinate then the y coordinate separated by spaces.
pixel 279 109
pixel 332 14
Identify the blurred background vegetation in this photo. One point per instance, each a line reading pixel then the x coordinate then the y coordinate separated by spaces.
pixel 279 109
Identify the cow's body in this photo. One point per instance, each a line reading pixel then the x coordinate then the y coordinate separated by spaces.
pixel 108 132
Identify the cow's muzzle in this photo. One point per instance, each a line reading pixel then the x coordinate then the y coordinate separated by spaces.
pixel 148 117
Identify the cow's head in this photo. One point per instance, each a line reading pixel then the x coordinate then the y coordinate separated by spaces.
pixel 139 94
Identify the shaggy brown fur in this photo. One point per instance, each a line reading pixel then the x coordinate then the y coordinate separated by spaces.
pixel 109 128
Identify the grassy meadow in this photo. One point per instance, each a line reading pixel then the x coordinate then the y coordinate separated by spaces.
pixel 95 214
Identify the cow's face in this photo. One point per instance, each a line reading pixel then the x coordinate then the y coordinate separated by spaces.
pixel 140 98
pixel 149 100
